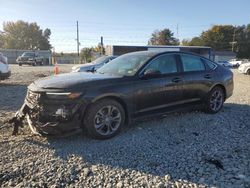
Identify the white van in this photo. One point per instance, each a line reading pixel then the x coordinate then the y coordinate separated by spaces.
pixel 4 67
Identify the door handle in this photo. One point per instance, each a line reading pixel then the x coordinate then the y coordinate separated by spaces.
pixel 208 76
pixel 176 80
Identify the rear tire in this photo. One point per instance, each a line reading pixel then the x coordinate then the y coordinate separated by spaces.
pixel 104 119
pixel 215 100
pixel 20 64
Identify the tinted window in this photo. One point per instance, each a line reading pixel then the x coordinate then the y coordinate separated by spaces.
pixel 192 63
pixel 213 65
pixel 165 64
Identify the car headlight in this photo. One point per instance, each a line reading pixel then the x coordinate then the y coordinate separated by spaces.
pixel 66 95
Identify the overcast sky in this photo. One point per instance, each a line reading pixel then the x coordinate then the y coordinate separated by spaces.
pixel 124 22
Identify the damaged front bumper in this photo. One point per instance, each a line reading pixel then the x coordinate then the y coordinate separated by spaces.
pixel 50 117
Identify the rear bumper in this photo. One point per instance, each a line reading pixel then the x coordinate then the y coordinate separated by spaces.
pixel 229 88
pixel 5 75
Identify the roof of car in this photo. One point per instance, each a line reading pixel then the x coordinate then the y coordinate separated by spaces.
pixel 158 52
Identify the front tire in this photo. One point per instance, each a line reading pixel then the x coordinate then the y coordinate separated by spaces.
pixel 215 100
pixel 104 119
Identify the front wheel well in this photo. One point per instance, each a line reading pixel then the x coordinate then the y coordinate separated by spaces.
pixel 117 99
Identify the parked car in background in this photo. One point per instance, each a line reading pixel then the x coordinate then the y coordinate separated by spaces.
pixel 225 64
pixel 245 68
pixel 4 67
pixel 134 85
pixel 94 65
pixel 30 58
pixel 236 63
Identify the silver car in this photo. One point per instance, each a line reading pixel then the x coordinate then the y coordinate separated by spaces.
pixel 4 67
pixel 94 65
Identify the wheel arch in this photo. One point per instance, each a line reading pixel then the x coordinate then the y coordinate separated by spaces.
pixel 247 70
pixel 115 98
pixel 222 87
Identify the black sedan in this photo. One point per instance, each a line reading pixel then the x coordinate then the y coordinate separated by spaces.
pixel 133 85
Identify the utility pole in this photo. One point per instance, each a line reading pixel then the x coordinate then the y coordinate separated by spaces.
pixel 177 31
pixel 234 42
pixel 77 39
pixel 101 45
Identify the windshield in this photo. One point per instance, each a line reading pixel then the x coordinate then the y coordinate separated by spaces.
pixel 100 60
pixel 28 54
pixel 126 65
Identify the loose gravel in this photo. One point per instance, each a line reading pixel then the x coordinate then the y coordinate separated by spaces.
pixel 191 149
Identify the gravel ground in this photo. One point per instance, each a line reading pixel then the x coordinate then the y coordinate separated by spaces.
pixel 179 150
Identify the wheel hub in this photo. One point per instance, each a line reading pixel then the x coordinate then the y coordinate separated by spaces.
pixel 107 120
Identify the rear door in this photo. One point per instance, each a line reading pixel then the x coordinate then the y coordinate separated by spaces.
pixel 197 79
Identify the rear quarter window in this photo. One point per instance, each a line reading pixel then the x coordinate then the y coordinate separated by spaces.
pixel 211 65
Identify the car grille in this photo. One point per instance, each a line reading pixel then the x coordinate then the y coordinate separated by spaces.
pixel 32 97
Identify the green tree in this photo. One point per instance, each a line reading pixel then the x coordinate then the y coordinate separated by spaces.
pixel 163 37
pixel 86 54
pixel 99 48
pixel 242 38
pixel 25 36
pixel 196 41
pixel 1 40
pixel 219 37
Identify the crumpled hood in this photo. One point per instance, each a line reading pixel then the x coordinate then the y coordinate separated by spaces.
pixel 69 80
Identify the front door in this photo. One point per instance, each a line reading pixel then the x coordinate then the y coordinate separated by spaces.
pixel 161 89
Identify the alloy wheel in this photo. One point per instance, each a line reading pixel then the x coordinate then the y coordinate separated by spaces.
pixel 216 100
pixel 107 120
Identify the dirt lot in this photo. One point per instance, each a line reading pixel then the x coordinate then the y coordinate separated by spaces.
pixel 190 149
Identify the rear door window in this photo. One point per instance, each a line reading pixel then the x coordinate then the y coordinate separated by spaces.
pixel 192 63
pixel 165 64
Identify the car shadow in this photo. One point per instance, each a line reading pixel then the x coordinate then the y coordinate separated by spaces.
pixel 15 95
pixel 185 145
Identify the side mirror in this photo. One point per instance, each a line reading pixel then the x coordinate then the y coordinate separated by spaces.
pixel 151 73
